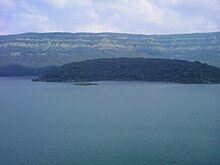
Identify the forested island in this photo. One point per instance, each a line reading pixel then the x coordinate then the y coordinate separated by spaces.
pixel 134 69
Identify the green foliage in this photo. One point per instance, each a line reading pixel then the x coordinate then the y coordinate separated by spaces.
pixel 135 69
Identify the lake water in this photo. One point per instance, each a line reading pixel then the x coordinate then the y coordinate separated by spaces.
pixel 112 123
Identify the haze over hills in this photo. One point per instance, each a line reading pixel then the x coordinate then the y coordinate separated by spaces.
pixel 45 49
pixel 22 71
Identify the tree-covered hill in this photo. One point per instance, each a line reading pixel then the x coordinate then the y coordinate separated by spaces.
pixel 134 69
pixel 43 49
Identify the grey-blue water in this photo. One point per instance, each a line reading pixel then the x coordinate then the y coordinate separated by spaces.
pixel 113 123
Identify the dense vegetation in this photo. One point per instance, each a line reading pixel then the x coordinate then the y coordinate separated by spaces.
pixel 44 49
pixel 134 69
pixel 18 70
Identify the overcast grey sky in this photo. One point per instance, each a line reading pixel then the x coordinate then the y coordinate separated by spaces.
pixel 128 16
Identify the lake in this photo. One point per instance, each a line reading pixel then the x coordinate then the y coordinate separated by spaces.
pixel 112 123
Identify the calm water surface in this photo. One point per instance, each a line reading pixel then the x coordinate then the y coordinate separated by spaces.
pixel 112 123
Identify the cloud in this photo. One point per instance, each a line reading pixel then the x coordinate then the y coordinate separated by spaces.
pixel 139 16
pixel 61 4
pixel 36 23
pixel 5 8
pixel 5 5
pixel 143 16
pixel 25 17
pixel 95 28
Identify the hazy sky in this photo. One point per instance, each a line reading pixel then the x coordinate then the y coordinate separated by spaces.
pixel 130 16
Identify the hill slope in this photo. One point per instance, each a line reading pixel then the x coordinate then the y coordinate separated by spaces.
pixel 18 70
pixel 135 69
pixel 44 49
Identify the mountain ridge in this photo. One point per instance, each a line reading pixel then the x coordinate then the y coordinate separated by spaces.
pixel 126 33
pixel 44 49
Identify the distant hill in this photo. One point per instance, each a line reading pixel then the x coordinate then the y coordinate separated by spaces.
pixel 18 70
pixel 44 49
pixel 135 69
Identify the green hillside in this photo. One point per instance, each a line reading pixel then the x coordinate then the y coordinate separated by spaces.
pixel 138 69
pixel 43 49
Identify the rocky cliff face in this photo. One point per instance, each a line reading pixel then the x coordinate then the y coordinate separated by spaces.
pixel 43 49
